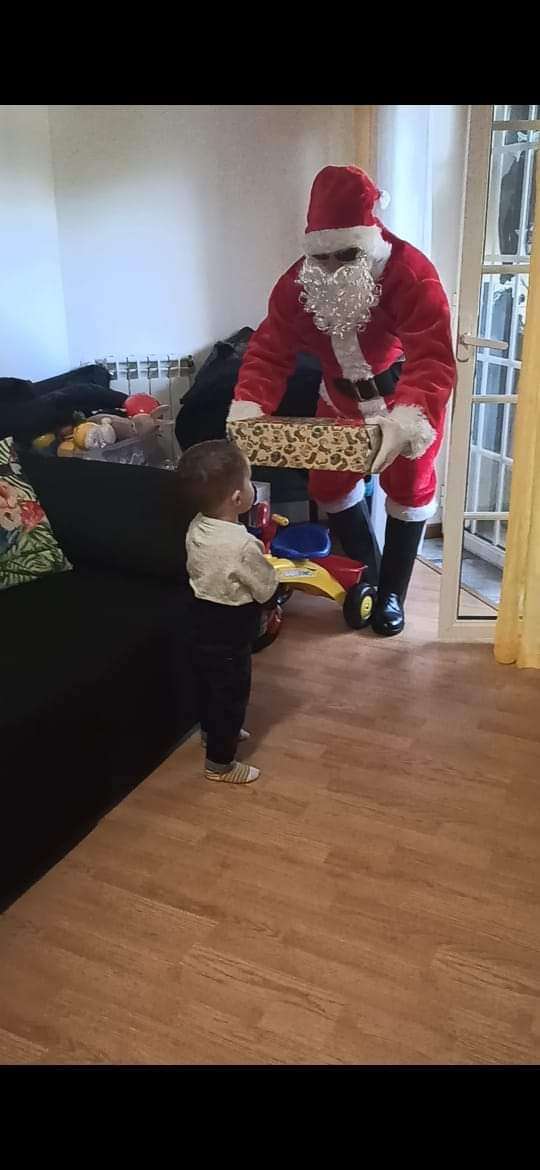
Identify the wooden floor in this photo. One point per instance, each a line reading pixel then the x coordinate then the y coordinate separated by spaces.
pixel 375 898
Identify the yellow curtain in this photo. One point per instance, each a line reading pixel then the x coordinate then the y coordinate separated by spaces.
pixel 365 138
pixel 517 633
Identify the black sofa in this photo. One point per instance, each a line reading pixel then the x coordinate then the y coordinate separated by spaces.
pixel 96 685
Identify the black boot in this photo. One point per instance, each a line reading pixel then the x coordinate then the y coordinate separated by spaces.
pixel 354 530
pixel 399 554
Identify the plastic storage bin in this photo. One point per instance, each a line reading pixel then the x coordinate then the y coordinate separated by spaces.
pixel 158 449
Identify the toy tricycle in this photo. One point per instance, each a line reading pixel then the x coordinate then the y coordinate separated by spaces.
pixel 301 556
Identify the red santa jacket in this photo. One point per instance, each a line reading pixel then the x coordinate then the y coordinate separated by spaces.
pixel 411 321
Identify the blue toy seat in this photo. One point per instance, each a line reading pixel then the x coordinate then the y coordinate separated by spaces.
pixel 301 541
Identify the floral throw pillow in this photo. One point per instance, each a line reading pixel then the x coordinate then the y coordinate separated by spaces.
pixel 28 547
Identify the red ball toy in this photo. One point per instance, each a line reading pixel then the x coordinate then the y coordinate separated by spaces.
pixel 140 404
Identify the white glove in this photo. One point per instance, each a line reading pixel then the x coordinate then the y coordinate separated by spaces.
pixel 405 431
pixel 395 441
pixel 240 410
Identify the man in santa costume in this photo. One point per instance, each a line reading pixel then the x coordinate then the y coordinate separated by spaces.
pixel 372 309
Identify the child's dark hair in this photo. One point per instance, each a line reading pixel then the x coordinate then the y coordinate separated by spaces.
pixel 210 472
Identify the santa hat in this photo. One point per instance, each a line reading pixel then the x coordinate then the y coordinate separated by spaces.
pixel 341 214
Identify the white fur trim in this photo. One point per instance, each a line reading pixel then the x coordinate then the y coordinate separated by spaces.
pixel 355 496
pixel 401 512
pixel 323 393
pixel 350 357
pixel 373 408
pixel 416 428
pixel 241 409
pixel 331 240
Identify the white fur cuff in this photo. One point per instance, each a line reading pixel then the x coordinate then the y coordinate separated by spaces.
pixel 402 512
pixel 355 496
pixel 239 410
pixel 417 429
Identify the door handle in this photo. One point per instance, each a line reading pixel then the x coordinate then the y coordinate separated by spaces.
pixel 470 342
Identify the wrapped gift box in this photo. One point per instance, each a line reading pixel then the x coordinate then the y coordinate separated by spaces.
pixel 311 443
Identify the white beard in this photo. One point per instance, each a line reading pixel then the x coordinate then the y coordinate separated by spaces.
pixel 341 302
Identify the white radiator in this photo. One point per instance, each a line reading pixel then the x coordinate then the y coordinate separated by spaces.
pixel 167 378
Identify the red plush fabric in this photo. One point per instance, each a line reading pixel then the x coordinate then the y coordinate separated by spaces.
pixel 411 320
pixel 342 197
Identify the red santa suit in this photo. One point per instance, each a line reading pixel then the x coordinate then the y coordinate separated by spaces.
pixel 410 323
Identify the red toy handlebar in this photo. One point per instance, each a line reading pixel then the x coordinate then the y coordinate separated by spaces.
pixel 268 524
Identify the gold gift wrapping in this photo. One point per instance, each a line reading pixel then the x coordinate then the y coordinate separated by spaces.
pixel 310 443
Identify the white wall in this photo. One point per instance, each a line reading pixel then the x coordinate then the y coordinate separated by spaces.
pixel 175 221
pixel 33 336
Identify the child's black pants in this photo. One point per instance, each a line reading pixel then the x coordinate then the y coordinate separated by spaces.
pixel 221 649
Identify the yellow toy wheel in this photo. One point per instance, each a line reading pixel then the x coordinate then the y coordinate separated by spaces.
pixel 366 607
pixel 358 606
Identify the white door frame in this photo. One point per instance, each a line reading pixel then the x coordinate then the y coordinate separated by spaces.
pixel 452 628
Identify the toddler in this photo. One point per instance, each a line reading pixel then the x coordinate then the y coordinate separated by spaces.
pixel 230 579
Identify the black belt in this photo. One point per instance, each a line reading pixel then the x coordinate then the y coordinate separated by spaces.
pixel 380 386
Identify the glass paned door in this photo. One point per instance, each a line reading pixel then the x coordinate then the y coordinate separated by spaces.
pixel 498 225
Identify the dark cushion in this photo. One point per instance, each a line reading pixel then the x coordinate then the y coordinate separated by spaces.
pixel 13 391
pixel 96 375
pixel 28 409
pixel 204 408
pixel 112 516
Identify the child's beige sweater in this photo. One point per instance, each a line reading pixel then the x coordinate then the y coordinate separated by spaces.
pixel 226 564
